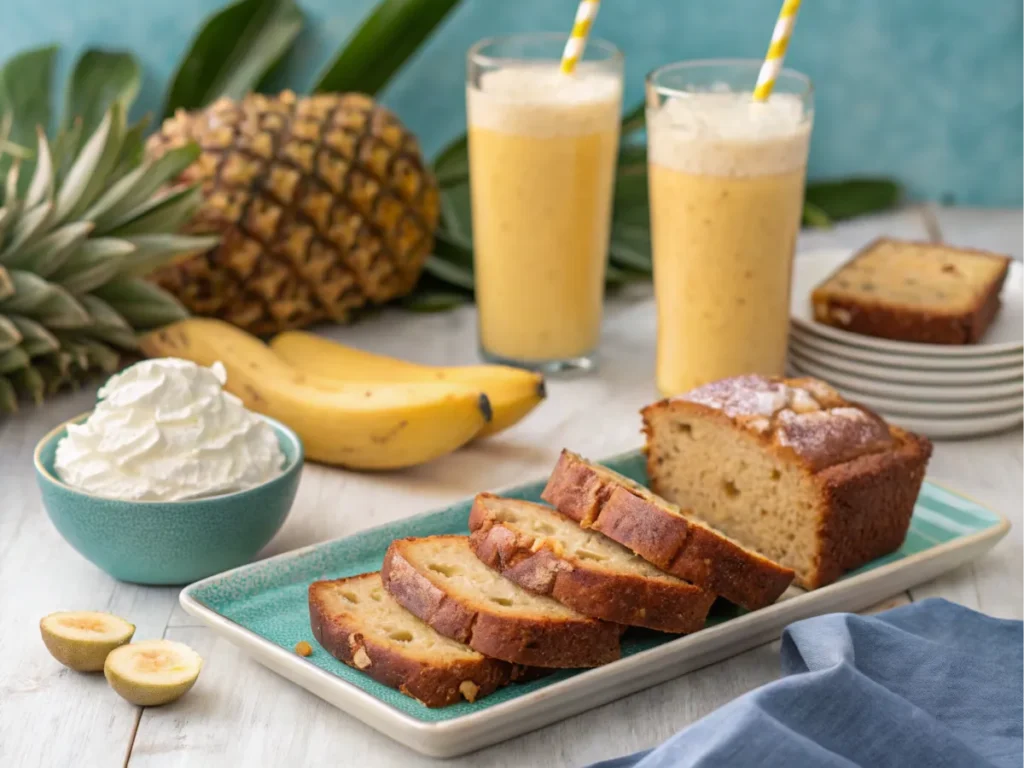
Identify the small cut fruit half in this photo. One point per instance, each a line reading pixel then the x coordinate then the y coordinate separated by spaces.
pixel 81 640
pixel 152 672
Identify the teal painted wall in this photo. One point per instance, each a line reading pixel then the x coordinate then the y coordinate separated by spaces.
pixel 928 91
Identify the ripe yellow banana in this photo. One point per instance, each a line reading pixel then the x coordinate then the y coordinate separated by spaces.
pixel 513 392
pixel 356 425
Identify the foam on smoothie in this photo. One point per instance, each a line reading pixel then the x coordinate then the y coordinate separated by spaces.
pixel 729 134
pixel 539 100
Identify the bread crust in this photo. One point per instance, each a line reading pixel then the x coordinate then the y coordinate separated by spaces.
pixel 653 530
pixel 632 599
pixel 913 324
pixel 526 640
pixel 865 504
pixel 433 684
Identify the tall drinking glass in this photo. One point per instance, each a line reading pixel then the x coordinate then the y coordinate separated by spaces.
pixel 726 178
pixel 542 150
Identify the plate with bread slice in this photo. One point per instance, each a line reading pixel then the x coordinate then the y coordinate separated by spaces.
pixel 906 297
pixel 756 501
pixel 930 334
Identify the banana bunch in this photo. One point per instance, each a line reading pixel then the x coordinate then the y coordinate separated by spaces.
pixel 353 408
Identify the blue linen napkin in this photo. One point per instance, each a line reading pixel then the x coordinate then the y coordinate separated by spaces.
pixel 928 684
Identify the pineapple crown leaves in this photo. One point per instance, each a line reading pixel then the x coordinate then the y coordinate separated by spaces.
pixel 83 219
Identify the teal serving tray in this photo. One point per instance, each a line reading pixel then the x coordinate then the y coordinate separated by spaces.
pixel 262 608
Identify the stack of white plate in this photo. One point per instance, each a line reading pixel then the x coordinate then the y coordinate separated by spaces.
pixel 943 391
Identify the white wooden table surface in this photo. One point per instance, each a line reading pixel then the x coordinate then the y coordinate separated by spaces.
pixel 241 714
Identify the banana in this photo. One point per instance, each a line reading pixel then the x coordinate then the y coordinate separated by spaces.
pixel 513 392
pixel 356 425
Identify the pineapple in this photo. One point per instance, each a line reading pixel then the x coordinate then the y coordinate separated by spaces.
pixel 76 237
pixel 324 204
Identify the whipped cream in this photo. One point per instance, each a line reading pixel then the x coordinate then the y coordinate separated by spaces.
pixel 165 430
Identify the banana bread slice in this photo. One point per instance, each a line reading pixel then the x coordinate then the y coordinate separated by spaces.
pixel 921 292
pixel 790 468
pixel 548 553
pixel 440 580
pixel 360 624
pixel 662 533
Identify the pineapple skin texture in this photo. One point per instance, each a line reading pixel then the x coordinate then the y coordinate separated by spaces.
pixel 324 205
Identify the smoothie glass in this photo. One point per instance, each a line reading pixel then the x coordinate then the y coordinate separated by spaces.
pixel 542 153
pixel 726 180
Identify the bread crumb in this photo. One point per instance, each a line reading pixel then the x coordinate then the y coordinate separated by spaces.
pixel 303 648
pixel 361 659
pixel 469 690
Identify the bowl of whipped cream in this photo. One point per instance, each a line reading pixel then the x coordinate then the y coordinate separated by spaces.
pixel 170 479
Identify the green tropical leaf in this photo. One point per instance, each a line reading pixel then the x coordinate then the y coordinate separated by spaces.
pixel 451 263
pixel 423 301
pixel 25 82
pixel 142 304
pixel 456 215
pixel 631 191
pixel 616 277
pixel 846 199
pixel 392 33
pixel 451 166
pixel 630 248
pixel 99 80
pixel 634 120
pixel 814 216
pixel 632 160
pixel 233 52
pixel 449 272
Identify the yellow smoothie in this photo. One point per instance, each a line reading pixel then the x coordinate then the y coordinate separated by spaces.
pixel 542 149
pixel 726 185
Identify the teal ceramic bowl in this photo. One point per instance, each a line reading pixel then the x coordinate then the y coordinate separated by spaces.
pixel 174 542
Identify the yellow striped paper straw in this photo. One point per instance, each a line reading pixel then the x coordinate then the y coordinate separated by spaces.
pixel 577 41
pixel 777 50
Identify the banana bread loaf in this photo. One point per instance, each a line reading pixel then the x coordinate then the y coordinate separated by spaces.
pixel 920 292
pixel 789 468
